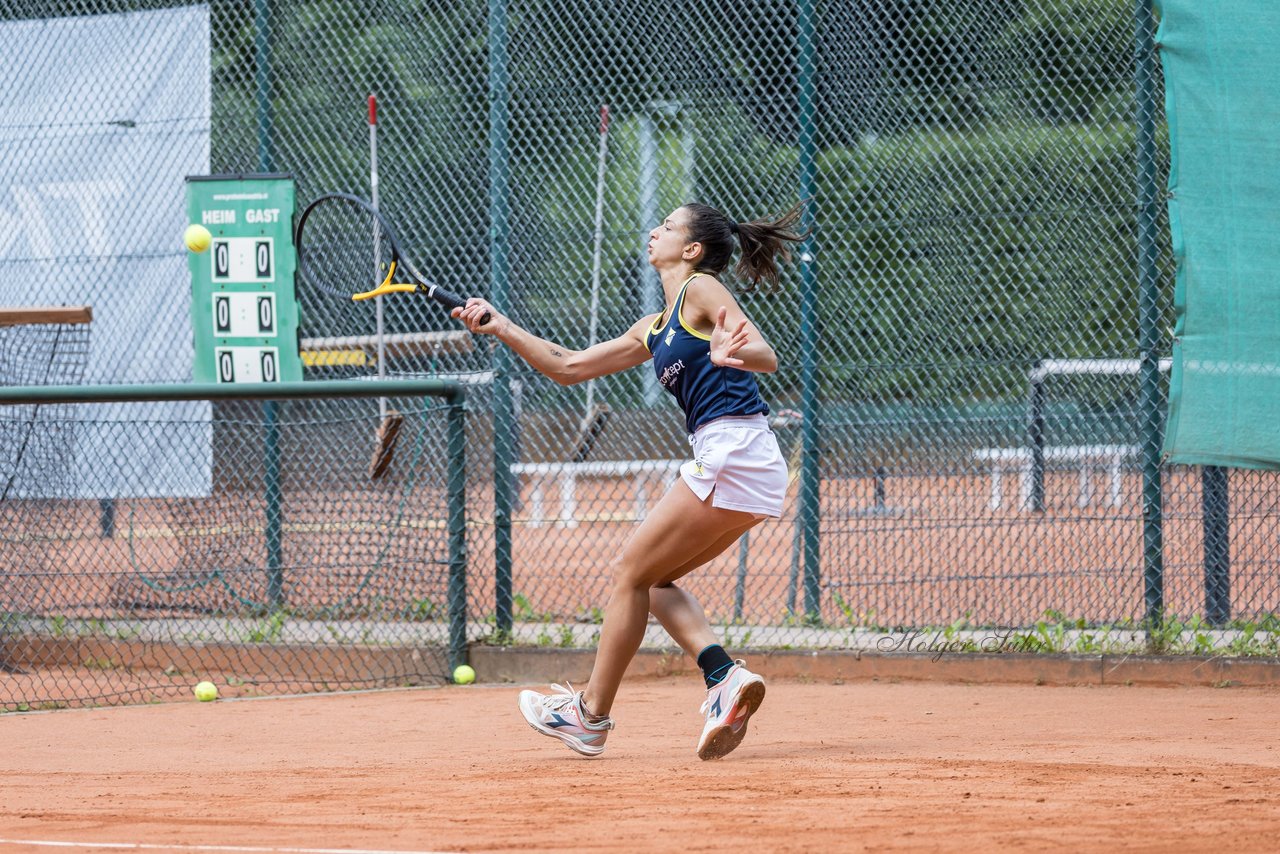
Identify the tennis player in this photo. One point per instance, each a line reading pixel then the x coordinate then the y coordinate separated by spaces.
pixel 706 353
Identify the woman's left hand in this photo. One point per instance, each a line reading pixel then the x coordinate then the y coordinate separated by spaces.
pixel 725 343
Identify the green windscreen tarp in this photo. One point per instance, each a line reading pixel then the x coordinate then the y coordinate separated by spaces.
pixel 1222 96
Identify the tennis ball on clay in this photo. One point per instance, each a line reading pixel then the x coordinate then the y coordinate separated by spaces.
pixel 206 691
pixel 197 238
pixel 463 674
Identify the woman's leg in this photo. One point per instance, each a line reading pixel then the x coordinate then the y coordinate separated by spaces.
pixel 660 545
pixel 679 613
pixel 713 551
pixel 683 617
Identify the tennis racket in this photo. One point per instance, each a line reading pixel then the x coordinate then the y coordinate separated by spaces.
pixel 345 244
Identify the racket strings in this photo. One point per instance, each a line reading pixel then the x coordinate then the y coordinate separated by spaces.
pixel 344 249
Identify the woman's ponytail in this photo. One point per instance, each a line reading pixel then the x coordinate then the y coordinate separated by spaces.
pixel 763 242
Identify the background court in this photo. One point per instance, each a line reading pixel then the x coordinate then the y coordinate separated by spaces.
pixel 858 766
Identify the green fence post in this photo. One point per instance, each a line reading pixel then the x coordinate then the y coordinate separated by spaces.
pixel 1148 317
pixel 1035 437
pixel 809 487
pixel 1215 507
pixel 457 489
pixel 262 82
pixel 503 412
pixel 273 530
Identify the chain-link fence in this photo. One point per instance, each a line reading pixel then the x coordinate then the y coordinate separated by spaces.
pixel 970 391
pixel 270 558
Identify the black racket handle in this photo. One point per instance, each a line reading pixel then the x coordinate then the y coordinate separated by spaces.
pixel 450 300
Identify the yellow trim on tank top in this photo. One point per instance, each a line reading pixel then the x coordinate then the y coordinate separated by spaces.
pixel 680 309
pixel 654 329
pixel 650 333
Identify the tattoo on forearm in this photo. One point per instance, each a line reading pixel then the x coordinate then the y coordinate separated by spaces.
pixel 556 353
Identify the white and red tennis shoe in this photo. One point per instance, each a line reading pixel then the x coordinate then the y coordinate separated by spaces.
pixel 729 705
pixel 561 715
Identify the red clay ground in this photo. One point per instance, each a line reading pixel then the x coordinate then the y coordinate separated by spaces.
pixel 845 767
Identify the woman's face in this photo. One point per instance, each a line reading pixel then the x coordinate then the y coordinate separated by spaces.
pixel 668 240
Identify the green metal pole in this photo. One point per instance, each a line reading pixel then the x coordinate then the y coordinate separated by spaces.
pixel 1216 509
pixel 123 393
pixel 1035 438
pixel 262 83
pixel 1149 399
pixel 499 271
pixel 273 530
pixel 457 488
pixel 809 484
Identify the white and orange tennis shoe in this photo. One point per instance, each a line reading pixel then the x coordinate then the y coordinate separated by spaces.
pixel 728 707
pixel 561 715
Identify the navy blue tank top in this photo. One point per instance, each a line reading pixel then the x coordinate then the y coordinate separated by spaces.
pixel 682 362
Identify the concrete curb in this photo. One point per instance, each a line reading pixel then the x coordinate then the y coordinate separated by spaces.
pixel 530 665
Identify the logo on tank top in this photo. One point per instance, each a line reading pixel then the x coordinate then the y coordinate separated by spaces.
pixel 671 373
pixel 671 333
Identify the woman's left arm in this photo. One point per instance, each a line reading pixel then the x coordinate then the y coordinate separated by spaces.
pixel 735 340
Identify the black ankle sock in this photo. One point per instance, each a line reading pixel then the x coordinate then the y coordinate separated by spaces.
pixel 715 662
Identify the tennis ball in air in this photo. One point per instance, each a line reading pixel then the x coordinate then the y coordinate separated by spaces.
pixel 206 691
pixel 197 238
pixel 463 674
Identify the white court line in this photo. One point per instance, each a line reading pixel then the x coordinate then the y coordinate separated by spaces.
pixel 144 846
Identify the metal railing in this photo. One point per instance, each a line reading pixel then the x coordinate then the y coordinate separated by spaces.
pixel 267 559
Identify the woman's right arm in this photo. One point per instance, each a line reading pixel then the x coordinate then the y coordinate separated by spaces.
pixel 553 361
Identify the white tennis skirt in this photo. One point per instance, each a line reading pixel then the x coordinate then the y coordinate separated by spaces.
pixel 736 460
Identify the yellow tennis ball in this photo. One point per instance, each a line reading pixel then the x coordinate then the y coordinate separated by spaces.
pixel 206 691
pixel 463 674
pixel 197 237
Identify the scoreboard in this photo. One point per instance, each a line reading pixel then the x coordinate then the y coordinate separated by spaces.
pixel 243 313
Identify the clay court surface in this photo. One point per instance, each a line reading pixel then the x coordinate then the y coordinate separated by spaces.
pixel 848 767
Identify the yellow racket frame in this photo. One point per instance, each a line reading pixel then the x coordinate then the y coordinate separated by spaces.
pixel 387 287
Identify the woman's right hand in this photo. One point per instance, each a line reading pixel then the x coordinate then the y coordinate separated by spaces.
pixel 475 309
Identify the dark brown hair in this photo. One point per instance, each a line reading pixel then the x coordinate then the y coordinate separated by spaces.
pixel 763 241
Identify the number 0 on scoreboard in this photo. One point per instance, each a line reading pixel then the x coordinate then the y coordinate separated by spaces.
pixel 242 260
pixel 244 315
pixel 247 364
